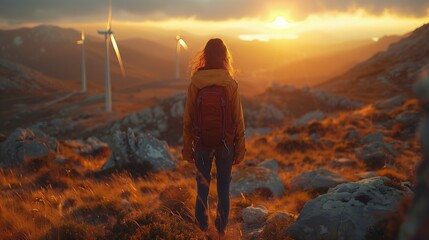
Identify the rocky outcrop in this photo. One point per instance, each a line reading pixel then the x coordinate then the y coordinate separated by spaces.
pixel 25 144
pixel 347 211
pixel 128 147
pixel 256 178
pixel 163 121
pixel 319 181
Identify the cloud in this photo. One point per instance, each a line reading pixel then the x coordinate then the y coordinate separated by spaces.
pixel 21 11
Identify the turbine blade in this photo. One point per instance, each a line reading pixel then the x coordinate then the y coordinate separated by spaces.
pixel 118 55
pixel 109 19
pixel 183 44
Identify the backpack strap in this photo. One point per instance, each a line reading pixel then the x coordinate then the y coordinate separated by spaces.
pixel 223 104
pixel 198 117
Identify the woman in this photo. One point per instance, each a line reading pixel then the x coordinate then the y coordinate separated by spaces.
pixel 213 128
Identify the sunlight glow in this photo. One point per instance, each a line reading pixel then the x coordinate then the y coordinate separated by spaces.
pixel 281 23
pixel 267 37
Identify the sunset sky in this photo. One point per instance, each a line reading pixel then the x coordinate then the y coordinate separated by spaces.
pixel 338 20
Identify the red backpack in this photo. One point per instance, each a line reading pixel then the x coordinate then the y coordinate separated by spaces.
pixel 213 118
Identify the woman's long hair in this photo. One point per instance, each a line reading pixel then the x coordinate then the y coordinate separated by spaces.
pixel 215 55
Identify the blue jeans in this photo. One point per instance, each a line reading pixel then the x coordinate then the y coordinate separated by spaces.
pixel 203 161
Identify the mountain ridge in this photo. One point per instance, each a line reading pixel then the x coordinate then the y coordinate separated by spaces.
pixel 387 73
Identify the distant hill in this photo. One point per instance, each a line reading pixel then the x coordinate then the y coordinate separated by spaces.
pixel 311 70
pixel 53 51
pixel 16 78
pixel 387 73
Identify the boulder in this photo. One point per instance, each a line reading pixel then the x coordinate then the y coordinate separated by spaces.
pixel 255 178
pixel 352 135
pixel 390 104
pixel 309 117
pixel 376 154
pixel 127 148
pixel 319 180
pixel 261 112
pixel 254 215
pixel 347 211
pixel 343 162
pixel 373 137
pixel 25 144
pixel 270 164
pixel 408 118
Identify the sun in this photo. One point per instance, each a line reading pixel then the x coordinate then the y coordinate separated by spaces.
pixel 280 23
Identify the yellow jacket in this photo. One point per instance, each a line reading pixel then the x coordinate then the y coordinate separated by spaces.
pixel 204 78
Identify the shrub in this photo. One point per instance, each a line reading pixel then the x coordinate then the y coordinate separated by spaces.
pixel 48 179
pixel 294 145
pixel 134 169
pixel 174 199
pixel 96 213
pixel 316 127
pixel 167 227
pixel 293 130
pixel 392 174
pixel 155 225
pixel 67 231
pixel 36 164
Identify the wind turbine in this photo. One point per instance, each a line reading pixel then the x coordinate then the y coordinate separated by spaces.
pixel 108 36
pixel 82 42
pixel 179 43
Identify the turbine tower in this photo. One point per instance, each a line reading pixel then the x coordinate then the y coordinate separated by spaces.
pixel 179 43
pixel 82 43
pixel 108 36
